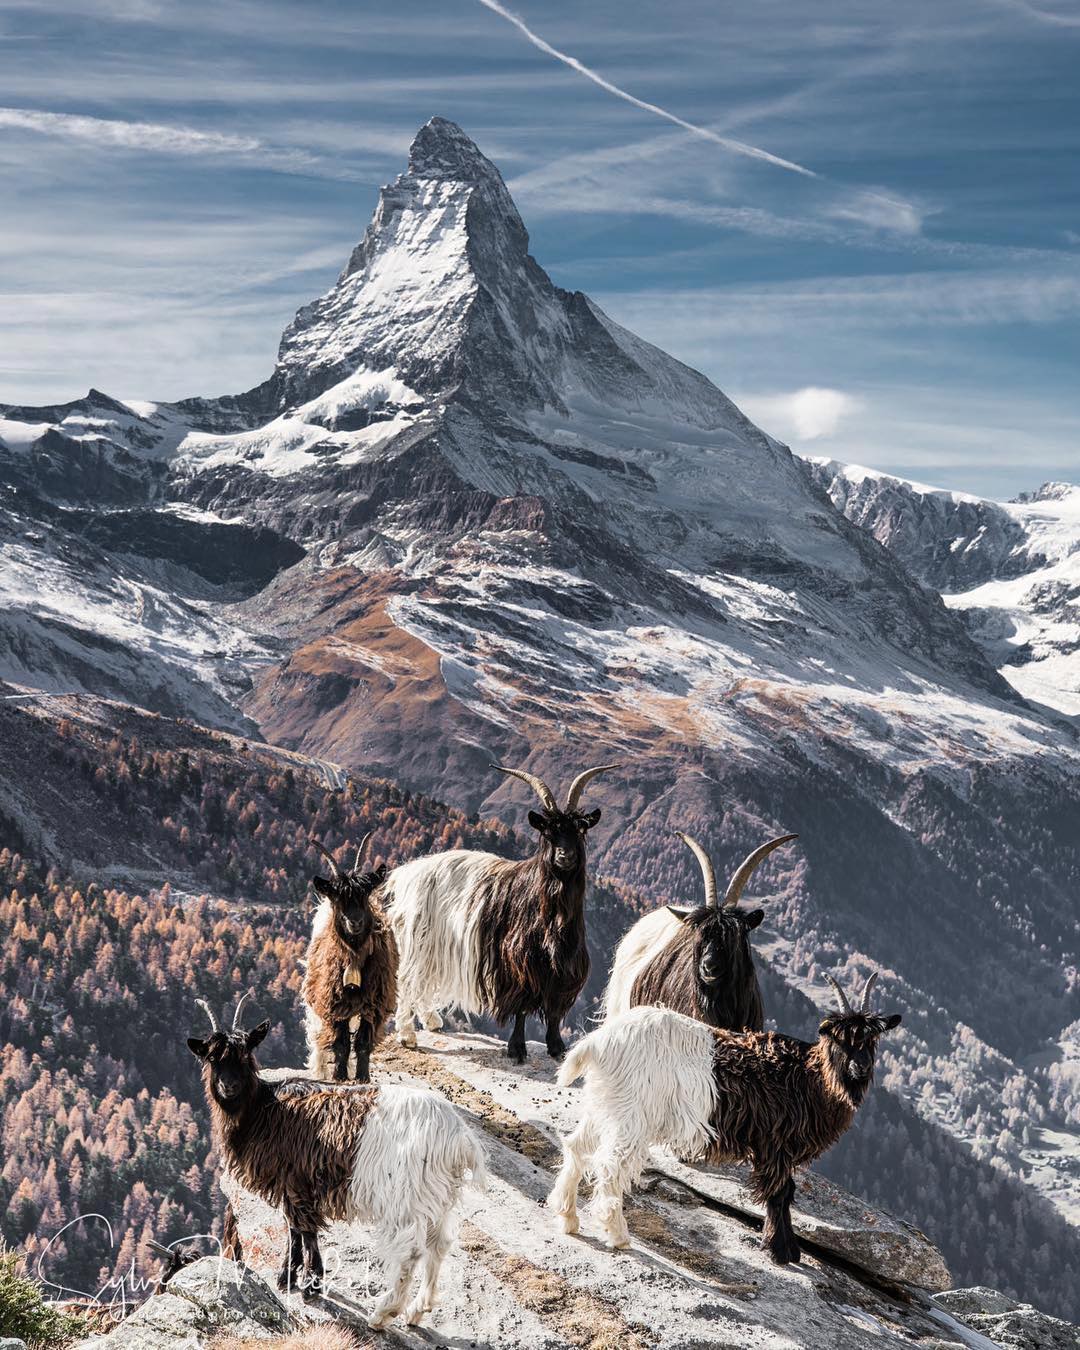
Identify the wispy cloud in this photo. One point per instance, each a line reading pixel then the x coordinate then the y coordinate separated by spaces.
pixel 706 133
pixel 809 414
pixel 164 139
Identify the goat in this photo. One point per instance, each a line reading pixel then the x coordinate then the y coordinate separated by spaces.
pixel 350 985
pixel 393 1156
pixel 653 1076
pixel 696 961
pixel 482 934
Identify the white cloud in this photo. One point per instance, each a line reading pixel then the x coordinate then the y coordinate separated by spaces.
pixel 164 139
pixel 809 414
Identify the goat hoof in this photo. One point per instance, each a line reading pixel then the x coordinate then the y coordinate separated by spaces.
pixel 557 1051
pixel 416 1314
pixel 784 1254
pixel 516 1054
pixel 570 1224
pixel 313 1288
pixel 432 1021
pixel 407 1039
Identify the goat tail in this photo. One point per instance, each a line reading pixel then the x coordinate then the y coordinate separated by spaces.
pixel 471 1160
pixel 576 1062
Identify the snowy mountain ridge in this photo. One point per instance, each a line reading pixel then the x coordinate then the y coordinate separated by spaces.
pixel 1011 569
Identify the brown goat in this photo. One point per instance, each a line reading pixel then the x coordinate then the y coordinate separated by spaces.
pixel 395 1157
pixel 351 981
pixel 485 935
pixel 722 1096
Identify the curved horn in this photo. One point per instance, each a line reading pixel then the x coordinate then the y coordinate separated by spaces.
pixel 236 1015
pixel 329 858
pixel 209 1012
pixel 705 863
pixel 864 1006
pixel 578 785
pixel 842 1003
pixel 360 851
pixel 161 1251
pixel 737 884
pixel 538 785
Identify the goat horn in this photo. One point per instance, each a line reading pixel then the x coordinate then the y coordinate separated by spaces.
pixel 209 1012
pixel 329 858
pixel 360 851
pixel 236 1015
pixel 705 863
pixel 737 884
pixel 538 785
pixel 871 980
pixel 578 785
pixel 841 998
pixel 157 1247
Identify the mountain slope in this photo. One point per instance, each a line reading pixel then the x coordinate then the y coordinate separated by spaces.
pixel 1011 569
pixel 500 527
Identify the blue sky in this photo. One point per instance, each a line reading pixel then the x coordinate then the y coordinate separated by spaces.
pixel 179 178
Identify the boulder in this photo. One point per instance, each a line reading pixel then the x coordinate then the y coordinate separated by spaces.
pixel 1011 1325
pixel 209 1297
pixel 833 1219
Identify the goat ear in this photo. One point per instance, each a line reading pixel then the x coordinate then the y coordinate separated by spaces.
pixel 893 1020
pixel 537 820
pixel 257 1034
pixel 751 918
pixel 681 914
pixel 381 871
pixel 197 1047
pixel 323 887
pixel 590 818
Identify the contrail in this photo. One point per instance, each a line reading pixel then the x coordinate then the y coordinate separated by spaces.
pixel 736 147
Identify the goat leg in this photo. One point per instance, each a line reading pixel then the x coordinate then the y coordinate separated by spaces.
pixel 556 1046
pixel 779 1236
pixel 363 1042
pixel 313 1264
pixel 515 1046
pixel 342 1044
pixel 231 1246
pixel 294 1257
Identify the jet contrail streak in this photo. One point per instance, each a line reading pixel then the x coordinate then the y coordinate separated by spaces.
pixel 736 147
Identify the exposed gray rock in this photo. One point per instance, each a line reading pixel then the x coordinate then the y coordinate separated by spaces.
pixel 209 1296
pixel 11 1343
pixel 1012 1325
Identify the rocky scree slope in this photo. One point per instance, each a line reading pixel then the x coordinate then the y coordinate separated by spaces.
pixel 528 535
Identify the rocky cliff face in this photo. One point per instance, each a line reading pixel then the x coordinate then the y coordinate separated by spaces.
pixel 1011 570
pixel 474 519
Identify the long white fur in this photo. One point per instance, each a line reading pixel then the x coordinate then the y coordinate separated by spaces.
pixel 648 937
pixel 414 1157
pixel 648 1080
pixel 431 903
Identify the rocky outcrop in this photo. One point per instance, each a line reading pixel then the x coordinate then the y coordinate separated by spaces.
pixel 1011 1325
pixel 209 1298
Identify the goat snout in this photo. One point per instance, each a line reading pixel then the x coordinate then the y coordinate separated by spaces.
pixel 564 857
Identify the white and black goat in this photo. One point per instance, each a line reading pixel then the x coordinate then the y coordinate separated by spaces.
pixel 482 934
pixel 653 1076
pixel 393 1156
pixel 697 960
pixel 350 985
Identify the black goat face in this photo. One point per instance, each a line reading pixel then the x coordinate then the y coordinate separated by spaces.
pixel 230 1057
pixel 350 899
pixel 722 940
pixel 855 1039
pixel 563 835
